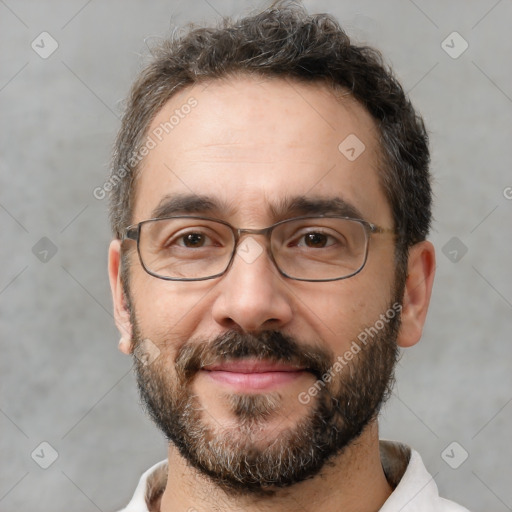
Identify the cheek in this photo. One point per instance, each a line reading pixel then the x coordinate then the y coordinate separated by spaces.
pixel 338 312
pixel 169 311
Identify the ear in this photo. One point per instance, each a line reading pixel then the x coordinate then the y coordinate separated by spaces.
pixel 418 289
pixel 121 309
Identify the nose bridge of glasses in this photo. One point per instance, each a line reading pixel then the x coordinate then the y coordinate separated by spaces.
pixel 240 232
pixel 248 248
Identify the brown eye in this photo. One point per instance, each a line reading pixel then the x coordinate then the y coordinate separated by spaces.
pixel 193 240
pixel 315 240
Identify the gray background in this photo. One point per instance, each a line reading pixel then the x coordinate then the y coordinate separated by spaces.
pixel 63 380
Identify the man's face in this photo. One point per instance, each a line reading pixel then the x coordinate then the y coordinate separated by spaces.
pixel 253 146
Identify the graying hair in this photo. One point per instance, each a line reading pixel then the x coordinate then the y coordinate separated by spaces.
pixel 285 41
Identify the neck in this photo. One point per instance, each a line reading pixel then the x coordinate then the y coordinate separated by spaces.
pixel 354 482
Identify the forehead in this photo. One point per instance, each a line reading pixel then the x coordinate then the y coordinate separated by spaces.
pixel 253 144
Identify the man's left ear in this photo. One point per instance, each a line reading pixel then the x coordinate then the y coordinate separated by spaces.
pixel 418 289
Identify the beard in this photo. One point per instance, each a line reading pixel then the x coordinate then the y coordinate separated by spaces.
pixel 235 459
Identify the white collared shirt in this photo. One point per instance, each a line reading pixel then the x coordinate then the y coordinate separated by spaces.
pixel 414 488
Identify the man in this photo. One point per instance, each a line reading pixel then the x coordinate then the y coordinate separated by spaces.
pixel 271 201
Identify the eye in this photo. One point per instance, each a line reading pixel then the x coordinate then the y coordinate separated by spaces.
pixel 315 240
pixel 193 240
pixel 185 237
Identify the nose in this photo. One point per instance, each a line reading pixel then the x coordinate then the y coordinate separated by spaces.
pixel 252 295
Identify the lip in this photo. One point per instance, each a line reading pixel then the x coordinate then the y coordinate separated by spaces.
pixel 252 366
pixel 252 374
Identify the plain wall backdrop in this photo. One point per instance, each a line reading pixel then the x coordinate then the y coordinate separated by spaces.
pixel 63 381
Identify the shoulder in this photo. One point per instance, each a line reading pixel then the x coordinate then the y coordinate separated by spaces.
pixel 415 489
pixel 151 485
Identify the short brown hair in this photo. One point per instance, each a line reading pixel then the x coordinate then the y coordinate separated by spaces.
pixel 285 41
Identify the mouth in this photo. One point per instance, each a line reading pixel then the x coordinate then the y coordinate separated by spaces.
pixel 253 374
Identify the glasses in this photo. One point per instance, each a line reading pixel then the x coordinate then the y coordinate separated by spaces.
pixel 189 248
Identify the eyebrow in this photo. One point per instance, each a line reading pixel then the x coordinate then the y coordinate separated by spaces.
pixel 303 205
pixel 296 206
pixel 184 204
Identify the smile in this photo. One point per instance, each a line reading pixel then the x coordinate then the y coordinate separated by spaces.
pixel 252 374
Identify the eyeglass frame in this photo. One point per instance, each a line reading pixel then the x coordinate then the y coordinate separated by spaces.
pixel 132 232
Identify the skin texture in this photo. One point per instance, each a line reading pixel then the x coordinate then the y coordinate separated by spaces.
pixel 250 143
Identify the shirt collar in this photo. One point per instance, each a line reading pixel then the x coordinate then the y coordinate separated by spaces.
pixel 414 488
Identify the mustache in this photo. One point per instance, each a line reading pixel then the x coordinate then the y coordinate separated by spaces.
pixel 269 345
